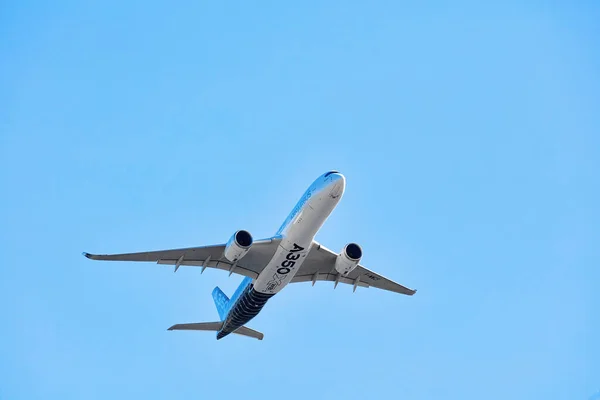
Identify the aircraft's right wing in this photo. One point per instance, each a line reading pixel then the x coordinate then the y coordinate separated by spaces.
pixel 250 265
pixel 320 266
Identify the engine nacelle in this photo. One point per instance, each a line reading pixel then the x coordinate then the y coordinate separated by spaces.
pixel 238 245
pixel 348 259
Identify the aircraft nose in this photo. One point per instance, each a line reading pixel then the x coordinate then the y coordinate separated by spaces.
pixel 340 180
pixel 332 176
pixel 337 185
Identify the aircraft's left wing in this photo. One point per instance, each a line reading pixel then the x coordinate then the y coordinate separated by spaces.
pixel 205 256
pixel 320 266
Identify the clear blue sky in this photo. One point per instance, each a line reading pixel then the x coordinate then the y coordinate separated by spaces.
pixel 469 137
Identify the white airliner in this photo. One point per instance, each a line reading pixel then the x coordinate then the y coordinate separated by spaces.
pixel 269 265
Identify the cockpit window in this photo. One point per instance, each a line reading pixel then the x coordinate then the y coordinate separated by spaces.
pixel 330 172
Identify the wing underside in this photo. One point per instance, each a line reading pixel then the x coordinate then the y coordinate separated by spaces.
pixel 320 266
pixel 205 256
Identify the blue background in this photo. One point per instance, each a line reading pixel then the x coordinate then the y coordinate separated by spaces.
pixel 469 139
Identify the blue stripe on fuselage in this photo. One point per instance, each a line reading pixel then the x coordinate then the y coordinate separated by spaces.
pixel 319 184
pixel 238 292
pixel 247 304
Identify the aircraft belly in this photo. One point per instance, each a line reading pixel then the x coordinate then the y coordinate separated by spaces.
pixel 283 266
pixel 295 245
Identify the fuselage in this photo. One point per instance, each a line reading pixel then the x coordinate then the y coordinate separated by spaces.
pixel 296 236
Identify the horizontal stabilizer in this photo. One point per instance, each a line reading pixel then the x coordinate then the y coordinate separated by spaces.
pixel 244 331
pixel 216 326
pixel 198 326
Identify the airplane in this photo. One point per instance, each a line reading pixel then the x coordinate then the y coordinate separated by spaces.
pixel 268 265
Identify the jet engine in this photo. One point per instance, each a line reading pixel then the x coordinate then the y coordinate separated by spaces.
pixel 348 259
pixel 238 245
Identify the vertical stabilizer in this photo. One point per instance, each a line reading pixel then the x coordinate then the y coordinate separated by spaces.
pixel 221 302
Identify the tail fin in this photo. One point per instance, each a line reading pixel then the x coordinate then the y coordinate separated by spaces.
pixel 221 302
